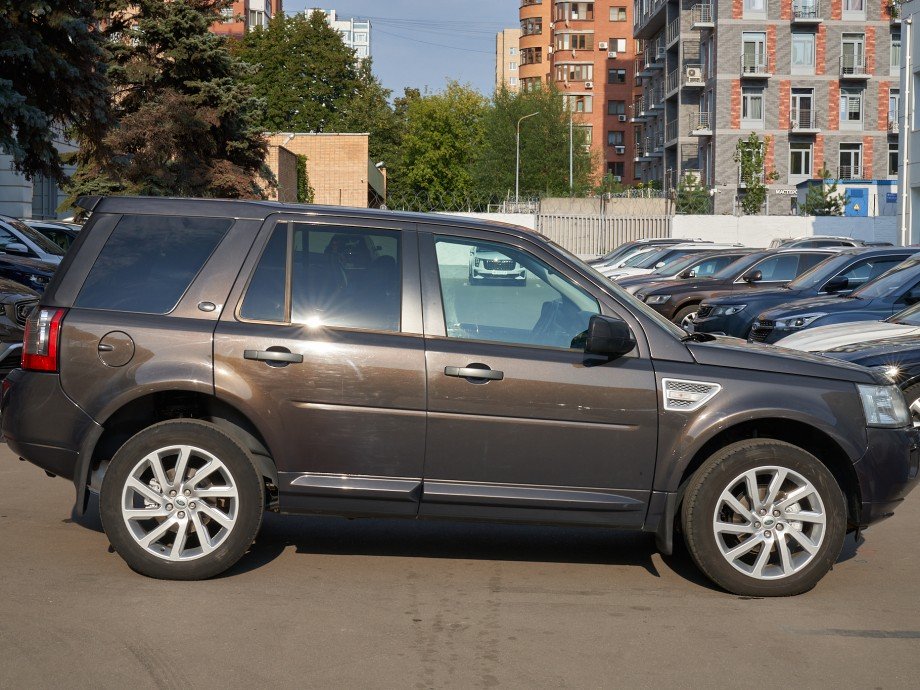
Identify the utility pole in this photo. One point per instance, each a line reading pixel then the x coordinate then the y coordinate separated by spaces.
pixel 517 165
pixel 571 153
pixel 904 127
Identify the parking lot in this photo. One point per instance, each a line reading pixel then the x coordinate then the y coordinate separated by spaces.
pixel 336 603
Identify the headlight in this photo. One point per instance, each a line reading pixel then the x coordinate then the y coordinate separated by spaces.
pixel 657 299
pixel 890 372
pixel 796 322
pixel 727 310
pixel 884 406
pixel 476 261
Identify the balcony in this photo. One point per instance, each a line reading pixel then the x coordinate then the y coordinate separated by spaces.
pixel 672 35
pixel 650 22
pixel 806 12
pixel 671 132
pixel 849 172
pixel 642 68
pixel 694 77
pixel 643 151
pixel 700 124
pixel 803 121
pixel 701 17
pixel 755 66
pixel 672 85
pixel 853 67
pixel 637 112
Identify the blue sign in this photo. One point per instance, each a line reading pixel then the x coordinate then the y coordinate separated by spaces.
pixel 857 202
pixel 891 197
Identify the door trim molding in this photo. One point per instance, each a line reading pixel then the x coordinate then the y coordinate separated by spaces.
pixel 518 496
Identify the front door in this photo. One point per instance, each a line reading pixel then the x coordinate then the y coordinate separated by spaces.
pixel 522 424
pixel 321 341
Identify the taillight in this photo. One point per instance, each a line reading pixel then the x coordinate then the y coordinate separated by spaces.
pixel 40 345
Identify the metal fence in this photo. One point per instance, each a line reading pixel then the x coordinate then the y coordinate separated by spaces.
pixel 595 234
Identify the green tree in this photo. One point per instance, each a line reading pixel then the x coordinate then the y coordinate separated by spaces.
pixel 692 197
pixel 823 197
pixel 185 126
pixel 305 191
pixel 544 146
pixel 442 140
pixel 368 110
pixel 52 77
pixel 750 155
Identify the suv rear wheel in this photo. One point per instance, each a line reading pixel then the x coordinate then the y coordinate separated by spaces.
pixel 764 518
pixel 181 500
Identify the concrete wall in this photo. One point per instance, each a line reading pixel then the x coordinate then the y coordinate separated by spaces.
pixel 759 231
pixel 526 220
pixel 15 191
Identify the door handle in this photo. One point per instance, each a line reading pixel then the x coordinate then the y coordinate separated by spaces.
pixel 273 356
pixel 474 373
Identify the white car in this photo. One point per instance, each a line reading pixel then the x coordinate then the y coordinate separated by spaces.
pixel 650 261
pixel 488 264
pixel 823 338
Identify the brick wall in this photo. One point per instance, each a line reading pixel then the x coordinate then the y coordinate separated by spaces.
pixel 736 104
pixel 820 49
pixel 785 9
pixel 818 157
pixel 771 49
pixel 283 165
pixel 868 142
pixel 836 9
pixel 785 94
pixel 833 105
pixel 870 49
pixel 738 9
pixel 883 92
pixel 769 157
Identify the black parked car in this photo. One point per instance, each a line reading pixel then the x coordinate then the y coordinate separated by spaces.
pixel 33 273
pixel 16 301
pixel 679 300
pixel 733 314
pixel 876 300
pixel 692 266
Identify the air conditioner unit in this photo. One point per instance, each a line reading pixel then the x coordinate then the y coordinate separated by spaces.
pixel 694 75
pixel 622 118
pixel 549 50
pixel 602 45
pixel 589 84
pixel 620 149
pixel 612 55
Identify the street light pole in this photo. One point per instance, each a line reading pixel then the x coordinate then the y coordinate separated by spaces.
pixel 517 165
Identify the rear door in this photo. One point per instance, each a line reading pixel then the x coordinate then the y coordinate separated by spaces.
pixel 545 432
pixel 321 341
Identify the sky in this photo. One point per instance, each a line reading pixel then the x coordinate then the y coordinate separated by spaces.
pixel 423 43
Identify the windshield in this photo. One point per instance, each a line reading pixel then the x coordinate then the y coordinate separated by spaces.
pixel 36 238
pixel 639 260
pixel 677 266
pixel 818 273
pixel 622 295
pixel 888 282
pixel 907 317
pixel 735 269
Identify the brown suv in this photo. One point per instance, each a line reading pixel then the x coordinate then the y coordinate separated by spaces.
pixel 197 362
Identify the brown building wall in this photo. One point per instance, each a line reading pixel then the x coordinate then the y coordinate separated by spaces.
pixel 283 163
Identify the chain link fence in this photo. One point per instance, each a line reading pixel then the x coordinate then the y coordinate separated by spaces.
pixel 633 202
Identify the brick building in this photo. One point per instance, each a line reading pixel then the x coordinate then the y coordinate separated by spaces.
pixel 817 80
pixel 338 168
pixel 507 60
pixel 246 15
pixel 587 50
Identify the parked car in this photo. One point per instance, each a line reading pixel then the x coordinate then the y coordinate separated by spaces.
pixel 659 258
pixel 734 314
pixel 679 300
pixel 897 357
pixel 695 265
pixel 627 247
pixel 487 264
pixel 816 241
pixel 63 235
pixel 878 299
pixel 18 239
pixel 206 360
pixel 16 301
pixel 32 273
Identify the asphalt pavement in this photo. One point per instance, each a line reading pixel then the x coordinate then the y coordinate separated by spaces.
pixel 332 603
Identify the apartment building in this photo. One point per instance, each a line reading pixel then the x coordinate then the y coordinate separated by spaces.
pixel 507 60
pixel 587 50
pixel 817 80
pixel 246 15
pixel 355 32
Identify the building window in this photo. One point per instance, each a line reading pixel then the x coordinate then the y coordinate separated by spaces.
pixel 799 161
pixel 616 76
pixel 753 52
pixel 894 109
pixel 895 52
pixel 618 14
pixel 854 9
pixel 893 159
pixel 512 81
pixel 512 67
pixel 752 107
pixel 618 45
pixel 803 53
pixel 851 108
pixel 256 18
pixel 850 166
pixel 587 134
pixel 574 41
pixel 616 169
pixel 228 15
pixel 360 38
pixel 581 103
pixel 802 113
pixel 576 11
pixel 512 51
pixel 531 83
pixel 531 26
pixel 531 56
pixel 616 138
pixel 580 72
pixel 853 54
pixel 616 107
pixel 755 8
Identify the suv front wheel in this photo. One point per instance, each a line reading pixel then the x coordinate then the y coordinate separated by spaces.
pixel 764 518
pixel 181 500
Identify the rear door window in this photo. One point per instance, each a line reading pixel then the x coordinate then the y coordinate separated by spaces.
pixel 863 271
pixel 149 262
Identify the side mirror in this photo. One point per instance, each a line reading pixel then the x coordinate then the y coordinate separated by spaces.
pixel 752 277
pixel 659 264
pixel 836 284
pixel 16 248
pixel 609 336
pixel 688 273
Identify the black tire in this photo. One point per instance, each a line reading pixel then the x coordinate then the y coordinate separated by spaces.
pixel 719 472
pixel 912 395
pixel 249 507
pixel 684 312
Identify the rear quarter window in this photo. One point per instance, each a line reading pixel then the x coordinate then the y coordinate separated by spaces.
pixel 149 262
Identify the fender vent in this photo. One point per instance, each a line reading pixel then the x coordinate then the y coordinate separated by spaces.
pixel 686 396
